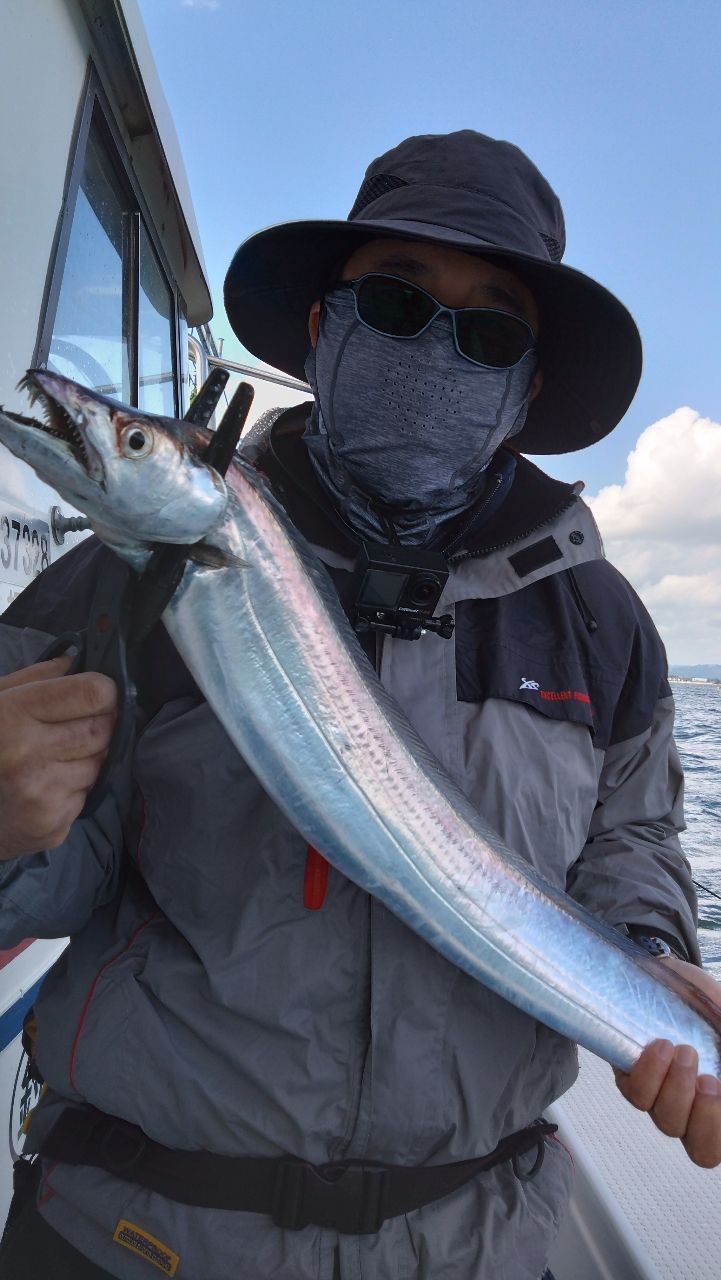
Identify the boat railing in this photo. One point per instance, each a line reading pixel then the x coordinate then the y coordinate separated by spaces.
pixel 205 360
pixel 251 371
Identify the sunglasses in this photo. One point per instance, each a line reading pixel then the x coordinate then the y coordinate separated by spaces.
pixel 389 305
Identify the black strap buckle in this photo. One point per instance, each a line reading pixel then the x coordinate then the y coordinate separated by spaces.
pixel 347 1197
pixel 526 1175
pixel 121 1148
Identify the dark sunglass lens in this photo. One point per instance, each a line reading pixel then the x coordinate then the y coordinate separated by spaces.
pixel 492 338
pixel 393 307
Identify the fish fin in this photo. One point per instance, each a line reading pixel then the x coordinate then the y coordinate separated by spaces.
pixel 213 558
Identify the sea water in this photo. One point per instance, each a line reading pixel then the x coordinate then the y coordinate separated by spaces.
pixel 698 736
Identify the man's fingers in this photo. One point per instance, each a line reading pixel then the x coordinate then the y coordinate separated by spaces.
pixel 55 730
pixel 72 698
pixel 703 1134
pixel 672 1109
pixel 44 815
pixel 78 739
pixel 56 788
pixel 78 776
pixel 664 1083
pixel 641 1086
pixel 66 796
pixel 50 670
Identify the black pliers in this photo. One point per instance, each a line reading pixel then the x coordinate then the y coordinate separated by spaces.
pixel 126 604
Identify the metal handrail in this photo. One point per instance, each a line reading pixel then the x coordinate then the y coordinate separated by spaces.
pixel 204 361
pixel 216 362
pixel 200 356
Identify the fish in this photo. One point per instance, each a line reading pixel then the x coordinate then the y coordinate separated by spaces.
pixel 258 623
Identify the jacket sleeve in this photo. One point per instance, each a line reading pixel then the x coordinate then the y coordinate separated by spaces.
pixel 632 870
pixel 53 894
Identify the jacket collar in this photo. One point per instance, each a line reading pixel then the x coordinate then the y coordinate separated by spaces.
pixel 540 528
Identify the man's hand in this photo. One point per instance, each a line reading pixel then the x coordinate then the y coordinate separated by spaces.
pixel 664 1083
pixel 54 734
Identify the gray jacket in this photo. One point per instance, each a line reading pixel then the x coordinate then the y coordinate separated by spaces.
pixel 202 1000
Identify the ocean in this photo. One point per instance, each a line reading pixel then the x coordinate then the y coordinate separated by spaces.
pixel 698 735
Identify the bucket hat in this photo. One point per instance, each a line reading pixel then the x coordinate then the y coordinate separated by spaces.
pixel 470 192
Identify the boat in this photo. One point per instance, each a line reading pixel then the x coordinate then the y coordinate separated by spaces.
pixel 104 281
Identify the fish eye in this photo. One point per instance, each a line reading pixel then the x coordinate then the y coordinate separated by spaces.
pixel 136 441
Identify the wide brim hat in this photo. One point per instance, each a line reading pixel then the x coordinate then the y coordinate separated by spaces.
pixel 481 196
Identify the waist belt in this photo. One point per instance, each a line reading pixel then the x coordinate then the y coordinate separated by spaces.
pixel 352 1196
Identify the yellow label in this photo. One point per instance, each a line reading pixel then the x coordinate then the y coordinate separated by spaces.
pixel 142 1243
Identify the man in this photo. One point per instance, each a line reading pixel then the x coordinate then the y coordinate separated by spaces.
pixel 224 994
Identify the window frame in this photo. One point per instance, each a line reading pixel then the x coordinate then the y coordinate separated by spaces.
pixel 95 107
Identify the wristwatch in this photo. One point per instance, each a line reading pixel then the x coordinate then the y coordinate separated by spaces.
pixel 651 942
pixel 654 945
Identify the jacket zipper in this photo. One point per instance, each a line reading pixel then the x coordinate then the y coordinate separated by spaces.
pixel 500 546
pixel 476 514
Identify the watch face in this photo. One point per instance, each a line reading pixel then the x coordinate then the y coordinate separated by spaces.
pixel 654 946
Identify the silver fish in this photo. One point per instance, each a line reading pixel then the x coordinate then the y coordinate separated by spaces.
pixel 259 625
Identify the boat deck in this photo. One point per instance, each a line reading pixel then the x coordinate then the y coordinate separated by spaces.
pixel 641 1209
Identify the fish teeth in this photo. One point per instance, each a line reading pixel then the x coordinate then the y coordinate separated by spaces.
pixel 57 421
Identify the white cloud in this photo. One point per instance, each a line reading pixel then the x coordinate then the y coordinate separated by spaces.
pixel 662 529
pixel 200 4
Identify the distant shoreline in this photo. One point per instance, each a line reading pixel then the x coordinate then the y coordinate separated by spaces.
pixel 694 679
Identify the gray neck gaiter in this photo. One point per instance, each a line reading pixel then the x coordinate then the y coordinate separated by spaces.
pixel 407 424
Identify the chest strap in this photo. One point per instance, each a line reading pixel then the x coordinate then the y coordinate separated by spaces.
pixel 353 1197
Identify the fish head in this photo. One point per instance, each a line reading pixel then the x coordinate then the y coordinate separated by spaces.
pixel 133 474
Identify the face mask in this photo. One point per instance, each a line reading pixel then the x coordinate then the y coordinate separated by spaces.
pixel 405 425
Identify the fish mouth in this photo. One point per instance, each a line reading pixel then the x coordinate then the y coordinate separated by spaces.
pixel 57 422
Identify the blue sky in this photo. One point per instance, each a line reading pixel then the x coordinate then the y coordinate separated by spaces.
pixel 280 106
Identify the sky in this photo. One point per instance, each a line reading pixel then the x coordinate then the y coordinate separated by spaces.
pixel 279 108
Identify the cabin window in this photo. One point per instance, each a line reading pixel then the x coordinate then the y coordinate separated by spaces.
pixel 156 391
pixel 117 317
pixel 183 359
pixel 91 339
